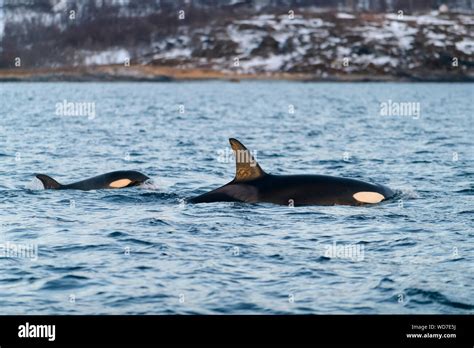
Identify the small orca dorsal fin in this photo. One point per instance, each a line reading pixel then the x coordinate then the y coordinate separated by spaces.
pixel 247 167
pixel 48 182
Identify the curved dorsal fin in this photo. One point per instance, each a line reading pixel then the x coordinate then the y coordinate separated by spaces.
pixel 247 167
pixel 48 182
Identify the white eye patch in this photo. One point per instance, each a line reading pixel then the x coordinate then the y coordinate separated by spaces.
pixel 368 197
pixel 120 183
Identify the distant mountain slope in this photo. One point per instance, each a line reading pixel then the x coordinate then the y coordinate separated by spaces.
pixel 233 39
pixel 326 44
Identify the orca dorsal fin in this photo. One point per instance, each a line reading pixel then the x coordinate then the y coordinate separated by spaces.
pixel 247 167
pixel 48 182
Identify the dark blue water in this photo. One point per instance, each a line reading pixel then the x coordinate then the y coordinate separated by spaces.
pixel 145 250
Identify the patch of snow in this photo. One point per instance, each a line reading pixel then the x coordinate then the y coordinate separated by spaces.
pixel 334 40
pixel 305 39
pixel 285 21
pixel 246 39
pixel 373 33
pixel 436 39
pixel 403 33
pixel 112 56
pixel 469 20
pixel 179 52
pixel 391 30
pixel 302 50
pixel 396 17
pixel 260 21
pixel 22 15
pixel 2 24
pixel 315 61
pixel 466 46
pixel 343 51
pixel 272 63
pixel 433 20
pixel 60 5
pixel 367 59
pixel 281 37
pixel 458 30
pixel 343 15
pixel 385 60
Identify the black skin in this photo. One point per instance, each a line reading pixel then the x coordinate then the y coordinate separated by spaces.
pixel 97 182
pixel 293 189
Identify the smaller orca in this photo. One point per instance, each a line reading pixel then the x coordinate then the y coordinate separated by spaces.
pixel 252 185
pixel 112 180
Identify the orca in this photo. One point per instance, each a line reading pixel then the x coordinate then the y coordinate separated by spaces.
pixel 112 180
pixel 252 185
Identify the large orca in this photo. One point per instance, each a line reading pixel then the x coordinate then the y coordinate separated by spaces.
pixel 251 184
pixel 112 180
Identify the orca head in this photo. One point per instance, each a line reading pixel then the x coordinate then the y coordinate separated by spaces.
pixel 130 179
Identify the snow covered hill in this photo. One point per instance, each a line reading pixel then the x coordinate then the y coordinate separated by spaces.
pixel 326 44
pixel 310 43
